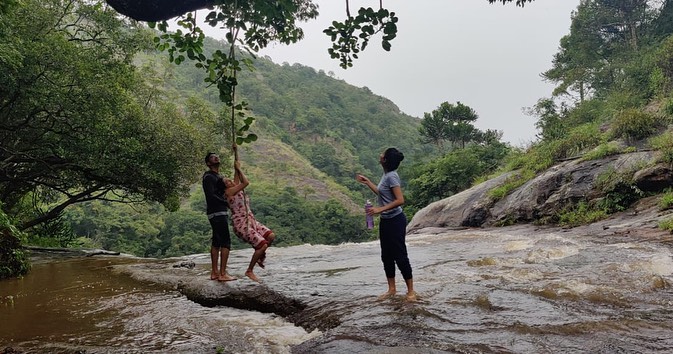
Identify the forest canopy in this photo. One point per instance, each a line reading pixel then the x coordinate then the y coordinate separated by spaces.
pixel 78 121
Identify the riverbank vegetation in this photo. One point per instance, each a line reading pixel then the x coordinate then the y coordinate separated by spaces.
pixel 13 259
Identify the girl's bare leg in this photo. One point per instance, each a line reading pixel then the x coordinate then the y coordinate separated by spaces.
pixel 269 240
pixel 255 257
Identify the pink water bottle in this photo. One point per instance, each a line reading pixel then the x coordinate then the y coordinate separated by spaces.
pixel 369 218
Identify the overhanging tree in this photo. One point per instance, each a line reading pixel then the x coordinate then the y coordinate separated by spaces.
pixel 77 122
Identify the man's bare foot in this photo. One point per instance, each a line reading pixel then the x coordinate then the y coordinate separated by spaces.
pixel 251 275
pixel 387 295
pixel 214 275
pixel 225 277
pixel 412 296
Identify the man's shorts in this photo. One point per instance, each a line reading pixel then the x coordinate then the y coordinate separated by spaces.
pixel 221 237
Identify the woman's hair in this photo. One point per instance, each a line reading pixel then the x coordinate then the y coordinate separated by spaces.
pixel 392 158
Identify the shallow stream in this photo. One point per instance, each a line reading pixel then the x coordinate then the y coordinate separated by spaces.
pixel 515 290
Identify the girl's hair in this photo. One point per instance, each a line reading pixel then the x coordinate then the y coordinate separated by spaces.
pixel 392 158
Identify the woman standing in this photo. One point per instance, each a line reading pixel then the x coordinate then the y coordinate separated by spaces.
pixel 393 224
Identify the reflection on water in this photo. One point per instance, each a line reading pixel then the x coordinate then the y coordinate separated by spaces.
pixel 507 290
pixel 79 304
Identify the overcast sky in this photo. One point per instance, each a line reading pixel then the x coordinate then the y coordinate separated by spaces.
pixel 488 57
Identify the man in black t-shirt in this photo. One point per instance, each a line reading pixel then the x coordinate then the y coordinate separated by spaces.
pixel 216 208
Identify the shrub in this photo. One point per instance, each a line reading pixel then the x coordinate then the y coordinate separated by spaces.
pixel 666 224
pixel 667 108
pixel 666 200
pixel 13 259
pixel 664 61
pixel 578 140
pixel 657 81
pixel 619 190
pixel 663 143
pixel 602 150
pixel 622 100
pixel 580 214
pixel 589 111
pixel 633 124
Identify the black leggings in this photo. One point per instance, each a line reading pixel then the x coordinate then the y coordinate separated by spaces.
pixel 392 233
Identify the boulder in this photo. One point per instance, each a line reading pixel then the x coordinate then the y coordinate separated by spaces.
pixel 545 195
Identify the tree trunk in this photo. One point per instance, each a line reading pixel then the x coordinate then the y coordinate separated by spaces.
pixel 581 91
pixel 634 36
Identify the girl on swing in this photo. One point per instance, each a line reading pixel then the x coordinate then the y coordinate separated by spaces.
pixel 245 226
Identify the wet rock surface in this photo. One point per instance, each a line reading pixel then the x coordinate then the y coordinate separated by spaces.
pixel 521 288
pixel 184 277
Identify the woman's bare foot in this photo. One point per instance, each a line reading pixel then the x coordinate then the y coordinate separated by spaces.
pixel 214 275
pixel 388 294
pixel 225 277
pixel 251 275
pixel 260 261
pixel 412 296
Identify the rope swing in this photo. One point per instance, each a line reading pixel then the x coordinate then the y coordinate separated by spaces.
pixel 232 55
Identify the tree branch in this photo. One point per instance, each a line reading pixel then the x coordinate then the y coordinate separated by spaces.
pixel 56 211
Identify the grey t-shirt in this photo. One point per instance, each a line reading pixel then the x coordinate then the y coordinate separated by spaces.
pixel 386 196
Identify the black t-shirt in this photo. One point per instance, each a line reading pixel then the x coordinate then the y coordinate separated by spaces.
pixel 213 187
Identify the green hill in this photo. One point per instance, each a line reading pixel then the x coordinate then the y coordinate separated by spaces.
pixel 315 132
pixel 335 127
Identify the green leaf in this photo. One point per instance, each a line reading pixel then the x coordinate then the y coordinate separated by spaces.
pixel 386 45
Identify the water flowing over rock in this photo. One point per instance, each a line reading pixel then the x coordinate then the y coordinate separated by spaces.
pixel 600 288
pixel 236 294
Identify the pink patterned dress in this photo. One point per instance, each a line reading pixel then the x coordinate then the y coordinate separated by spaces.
pixel 246 227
